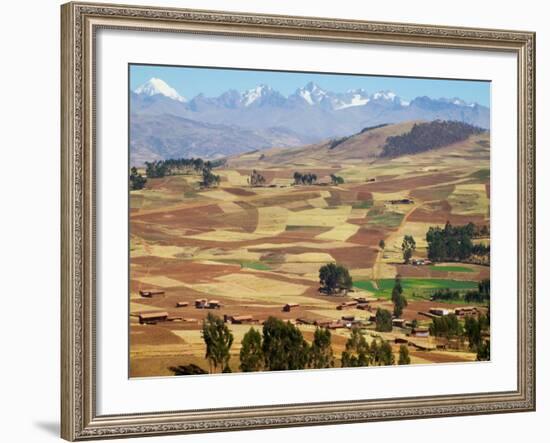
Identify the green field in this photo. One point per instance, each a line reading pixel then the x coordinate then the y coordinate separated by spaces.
pixel 451 268
pixel 411 285
pixel 249 264
pixel 384 217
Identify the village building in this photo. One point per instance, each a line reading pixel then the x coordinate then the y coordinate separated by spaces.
pixel 347 305
pixel 466 310
pixel 151 318
pixel 213 304
pixel 242 319
pixel 400 322
pixel 150 292
pixel 420 331
pixel 201 303
pixel 182 304
pixel 439 311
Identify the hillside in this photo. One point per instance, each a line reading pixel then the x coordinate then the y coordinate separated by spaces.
pixel 158 137
pixel 366 146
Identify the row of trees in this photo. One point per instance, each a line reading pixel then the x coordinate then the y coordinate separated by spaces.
pixel 481 295
pixel 177 166
pixel 305 179
pixel 281 346
pixel 426 136
pixel 454 243
pixel 379 353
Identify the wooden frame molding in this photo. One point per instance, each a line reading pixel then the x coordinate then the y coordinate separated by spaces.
pixel 80 21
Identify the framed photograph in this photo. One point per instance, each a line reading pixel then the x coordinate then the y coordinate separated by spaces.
pixel 277 221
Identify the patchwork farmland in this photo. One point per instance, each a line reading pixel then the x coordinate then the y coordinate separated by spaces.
pixel 249 250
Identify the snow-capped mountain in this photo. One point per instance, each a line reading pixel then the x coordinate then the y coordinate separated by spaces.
pixel 156 86
pixel 311 94
pixel 307 115
pixel 262 95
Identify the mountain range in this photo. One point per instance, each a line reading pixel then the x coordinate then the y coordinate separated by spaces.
pixel 165 124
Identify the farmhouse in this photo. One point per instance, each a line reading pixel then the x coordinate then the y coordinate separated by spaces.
pixel 213 304
pixel 346 305
pixel 182 304
pixel 288 307
pixel 150 292
pixel 439 311
pixel 200 303
pixel 151 318
pixel 466 310
pixel 420 331
pixel 348 317
pixel 242 319
pixel 364 306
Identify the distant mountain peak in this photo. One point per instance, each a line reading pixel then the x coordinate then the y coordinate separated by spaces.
pixel 384 95
pixel 254 94
pixel 157 86
pixel 311 93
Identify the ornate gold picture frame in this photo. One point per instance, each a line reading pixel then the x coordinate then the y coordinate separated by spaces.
pixel 80 23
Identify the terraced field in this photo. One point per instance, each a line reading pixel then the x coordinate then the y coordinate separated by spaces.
pixel 254 249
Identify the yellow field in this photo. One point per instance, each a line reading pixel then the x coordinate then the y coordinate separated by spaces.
pixel 256 248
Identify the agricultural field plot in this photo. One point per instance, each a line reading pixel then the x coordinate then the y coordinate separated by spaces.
pixel 254 249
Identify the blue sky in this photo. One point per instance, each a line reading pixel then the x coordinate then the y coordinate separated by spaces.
pixel 190 81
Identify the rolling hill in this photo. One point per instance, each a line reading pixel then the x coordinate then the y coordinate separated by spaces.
pixel 369 145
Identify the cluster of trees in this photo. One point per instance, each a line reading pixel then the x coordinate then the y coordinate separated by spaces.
pixel 447 326
pixel 209 179
pixel 334 278
pixel 281 346
pixel 383 320
pixel 156 169
pixel 483 293
pixel 305 179
pixel 397 297
pixel 454 243
pixel 137 181
pixel 218 340
pixel 426 136
pixel 359 353
pixel 408 247
pixel 256 179
pixel 336 180
pixel 473 330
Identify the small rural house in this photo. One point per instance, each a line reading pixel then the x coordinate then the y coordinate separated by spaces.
pixel 420 331
pixel 150 292
pixel 151 318
pixel 439 311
